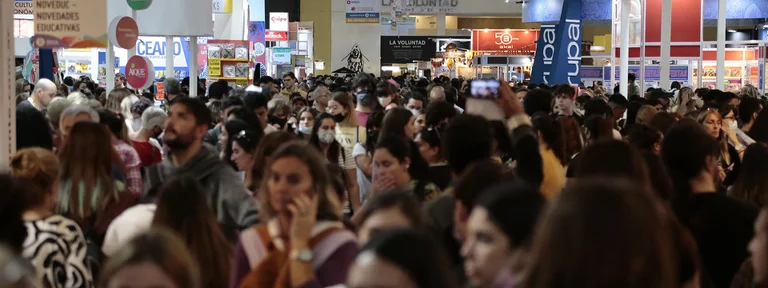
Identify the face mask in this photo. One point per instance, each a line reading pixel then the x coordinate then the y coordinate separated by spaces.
pixel 279 121
pixel 137 123
pixel 384 101
pixel 338 117
pixel 305 130
pixel 733 125
pixel 415 112
pixel 364 98
pixel 326 137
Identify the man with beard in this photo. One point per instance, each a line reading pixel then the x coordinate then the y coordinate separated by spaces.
pixel 187 123
pixel 145 142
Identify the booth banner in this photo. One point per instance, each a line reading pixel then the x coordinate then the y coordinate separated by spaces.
pixel 363 11
pixel 70 24
pixel 406 49
pixel 257 35
pixel 139 72
pixel 652 73
pixel 278 21
pixel 426 6
pixel 503 39
pixel 461 44
pixel 23 9
pixel 545 53
pixel 591 72
pixel 281 56
pixel 276 36
pixel 567 61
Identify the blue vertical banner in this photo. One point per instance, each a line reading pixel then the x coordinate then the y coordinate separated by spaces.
pixel 545 53
pixel 566 64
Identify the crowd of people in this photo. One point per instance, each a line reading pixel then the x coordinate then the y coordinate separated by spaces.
pixel 361 181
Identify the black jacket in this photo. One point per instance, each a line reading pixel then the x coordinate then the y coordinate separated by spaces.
pixel 32 128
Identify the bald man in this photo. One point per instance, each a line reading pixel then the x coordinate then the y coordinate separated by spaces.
pixel 437 94
pixel 44 92
pixel 32 128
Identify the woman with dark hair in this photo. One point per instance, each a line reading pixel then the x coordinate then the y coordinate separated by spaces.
pixel 570 248
pixel 729 155
pixel 232 129
pixel 552 150
pixel 614 158
pixel 499 233
pixel 389 210
pixel 387 94
pixel 88 192
pixel 183 208
pixel 572 136
pixel 752 184
pixel 393 169
pixel 13 231
pixel 130 158
pixel 759 130
pixel 157 258
pixel 401 258
pixel 264 151
pixel 324 139
pixel 363 154
pixel 243 151
pixel 430 144
pixel 398 122
pixel 596 128
pixel 301 223
pixel 646 138
pixel 721 225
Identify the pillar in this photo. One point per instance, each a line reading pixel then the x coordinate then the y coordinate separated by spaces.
pixel 193 73
pixel 440 24
pixel 624 49
pixel 7 85
pixel 720 44
pixel 666 35
pixel 169 69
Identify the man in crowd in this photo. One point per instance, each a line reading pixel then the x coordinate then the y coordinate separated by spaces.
pixel 119 80
pixel 634 88
pixel 187 123
pixel 438 93
pixel 564 101
pixel 267 83
pixel 618 104
pixel 32 127
pixel 258 102
pixel 217 91
pixel 172 88
pixel 289 84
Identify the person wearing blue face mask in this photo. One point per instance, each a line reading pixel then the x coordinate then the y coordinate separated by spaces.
pixel 363 87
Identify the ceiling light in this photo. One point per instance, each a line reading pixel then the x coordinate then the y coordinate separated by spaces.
pixel 731 31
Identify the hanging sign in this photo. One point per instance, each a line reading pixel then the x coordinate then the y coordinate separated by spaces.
pixel 281 56
pixel 139 4
pixel 502 39
pixel 545 53
pixel 406 49
pixel 276 36
pixel 363 11
pixel 23 9
pixel 139 72
pixel 566 64
pixel 70 24
pixel 124 32
pixel 278 21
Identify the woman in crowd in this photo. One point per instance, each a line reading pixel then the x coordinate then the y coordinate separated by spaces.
pixel 115 98
pixel 279 111
pixel 596 128
pixel 298 215
pixel 638 251
pixel 243 151
pixel 324 139
pixel 348 133
pixel 157 259
pixel 88 193
pixel 364 88
pixel 646 138
pixel 393 169
pixel 401 258
pixel 183 208
pixel 430 148
pixel 552 150
pixel 645 114
pixel 684 103
pixel 306 122
pixel 387 95
pixel 721 225
pixel 572 135
pixel 499 233
pixel 320 98
pixel 752 184
pixel 363 154
pixel 730 156
pixel 137 110
pixel 232 128
pixel 53 243
pixel 264 151
pixel 389 210
pixel 130 158
pixel 759 130
pixel 133 122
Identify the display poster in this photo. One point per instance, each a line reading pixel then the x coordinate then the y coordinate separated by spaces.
pixel 281 56
pixel 214 67
pixel 426 6
pixel 407 49
pixel 503 39
pixel 652 73
pixel 23 9
pixel 461 44
pixel 363 11
pixel 256 36
pixel 70 24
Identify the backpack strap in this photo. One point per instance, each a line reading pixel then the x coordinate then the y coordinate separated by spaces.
pixel 327 242
pixel 252 241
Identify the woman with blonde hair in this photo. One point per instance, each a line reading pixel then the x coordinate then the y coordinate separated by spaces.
pixel 54 243
pixel 749 91
pixel 157 258
pixel 645 114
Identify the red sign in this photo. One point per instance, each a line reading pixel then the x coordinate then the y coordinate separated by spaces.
pixel 124 32
pixel 504 40
pixel 276 36
pixel 139 72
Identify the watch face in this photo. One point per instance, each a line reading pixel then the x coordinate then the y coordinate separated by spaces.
pixel 305 255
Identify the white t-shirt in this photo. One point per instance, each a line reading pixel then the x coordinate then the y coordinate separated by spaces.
pixel 363 183
pixel 130 223
pixel 270 129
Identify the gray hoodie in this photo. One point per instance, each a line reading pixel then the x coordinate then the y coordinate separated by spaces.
pixel 233 206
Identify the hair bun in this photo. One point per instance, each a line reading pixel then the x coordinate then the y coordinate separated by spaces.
pixel 25 165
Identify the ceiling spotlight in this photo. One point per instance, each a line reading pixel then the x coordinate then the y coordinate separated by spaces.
pixel 731 31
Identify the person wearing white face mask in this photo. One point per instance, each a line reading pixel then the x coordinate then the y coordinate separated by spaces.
pixel 306 120
pixel 415 102
pixel 385 91
pixel 323 137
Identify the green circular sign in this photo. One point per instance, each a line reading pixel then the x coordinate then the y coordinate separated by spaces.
pixel 139 4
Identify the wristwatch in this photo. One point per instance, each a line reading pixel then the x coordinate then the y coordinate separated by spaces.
pixel 302 255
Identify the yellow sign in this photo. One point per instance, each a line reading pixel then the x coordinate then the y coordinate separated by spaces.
pixel 214 67
pixel 349 136
pixel 241 82
pixel 222 6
